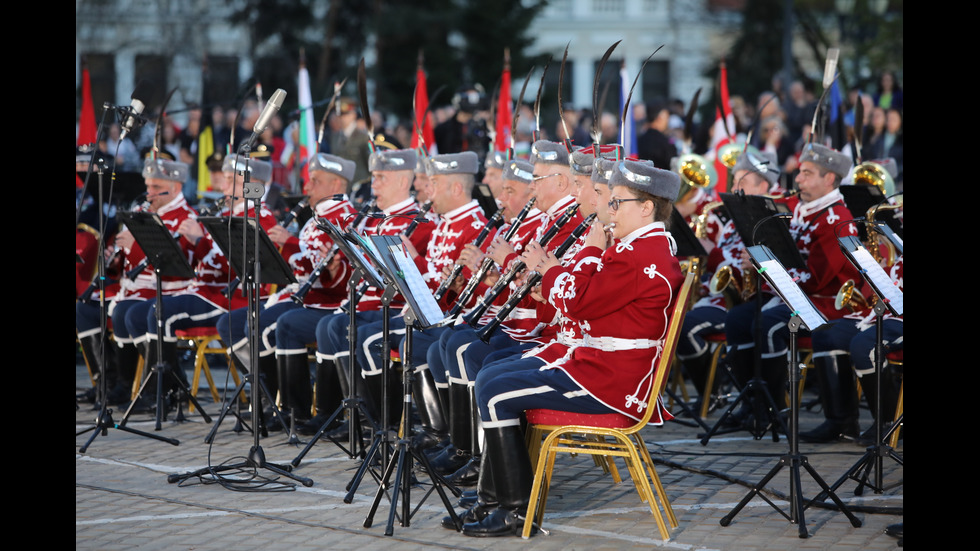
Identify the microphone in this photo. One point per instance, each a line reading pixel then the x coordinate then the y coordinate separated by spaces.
pixel 134 111
pixel 270 109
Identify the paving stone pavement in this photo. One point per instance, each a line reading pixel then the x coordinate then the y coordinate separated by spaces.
pixel 125 497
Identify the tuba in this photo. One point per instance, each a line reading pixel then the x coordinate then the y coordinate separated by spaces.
pixel 873 174
pixel 696 172
pixel 850 298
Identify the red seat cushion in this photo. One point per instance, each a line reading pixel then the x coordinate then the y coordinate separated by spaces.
pixel 804 342
pixel 196 332
pixel 715 337
pixel 895 356
pixel 555 417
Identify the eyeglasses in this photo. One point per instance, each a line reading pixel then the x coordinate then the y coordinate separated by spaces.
pixel 614 204
pixel 536 178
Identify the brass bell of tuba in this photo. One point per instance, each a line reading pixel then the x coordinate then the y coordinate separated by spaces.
pixel 696 172
pixel 723 283
pixel 873 174
pixel 850 298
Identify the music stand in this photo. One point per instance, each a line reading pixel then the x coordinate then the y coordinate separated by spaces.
pixel 363 269
pixel 890 298
pixel 805 313
pixel 862 198
pixel 381 439
pixel 422 312
pixel 259 262
pixel 167 259
pixel 226 233
pixel 749 214
pixel 483 196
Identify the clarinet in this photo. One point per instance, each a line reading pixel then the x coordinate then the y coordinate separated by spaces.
pixel 494 221
pixel 473 316
pixel 487 330
pixel 286 221
pixel 477 277
pixel 300 294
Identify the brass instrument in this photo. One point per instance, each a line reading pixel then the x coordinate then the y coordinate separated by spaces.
pixel 696 172
pixel 872 229
pixel 723 283
pixel 849 297
pixel 873 174
pixel 701 222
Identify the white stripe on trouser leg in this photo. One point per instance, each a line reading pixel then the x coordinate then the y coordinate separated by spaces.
pixel 463 377
pixel 492 404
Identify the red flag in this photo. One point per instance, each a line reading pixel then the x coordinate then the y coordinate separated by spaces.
pixel 502 137
pixel 423 118
pixel 87 129
pixel 724 130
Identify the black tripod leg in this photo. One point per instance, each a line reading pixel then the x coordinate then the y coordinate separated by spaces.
pixel 727 519
pixel 855 522
pixel 365 465
pixel 698 421
pixel 226 408
pixel 395 459
pixel 313 440
pixel 716 429
pixel 105 422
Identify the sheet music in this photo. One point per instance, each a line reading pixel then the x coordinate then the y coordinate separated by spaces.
pixel 785 286
pixel 879 280
pixel 408 278
pixel 372 250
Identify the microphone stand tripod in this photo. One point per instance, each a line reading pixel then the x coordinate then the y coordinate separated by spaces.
pixel 217 227
pixel 353 404
pixel 256 456
pixel 403 454
pixel 104 421
pixel 793 460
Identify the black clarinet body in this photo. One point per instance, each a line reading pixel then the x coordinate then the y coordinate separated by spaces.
pixel 533 279
pixel 473 316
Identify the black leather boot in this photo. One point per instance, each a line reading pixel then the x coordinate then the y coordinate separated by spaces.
pixel 512 475
pixel 329 397
pixel 468 474
pixel 459 453
pixel 483 501
pixel 889 402
pixel 432 417
pixel 296 389
pixel 838 396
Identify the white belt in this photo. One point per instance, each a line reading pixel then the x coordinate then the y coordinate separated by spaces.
pixel 612 344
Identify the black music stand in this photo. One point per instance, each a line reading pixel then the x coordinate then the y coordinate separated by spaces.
pixel 688 246
pixel 860 199
pixel 381 440
pixel 422 312
pixel 259 262
pixel 890 298
pixel 750 214
pixel 167 259
pixel 805 313
pixel 363 269
pixel 227 233
pixel 483 196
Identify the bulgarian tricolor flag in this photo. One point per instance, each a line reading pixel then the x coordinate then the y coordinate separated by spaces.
pixel 307 146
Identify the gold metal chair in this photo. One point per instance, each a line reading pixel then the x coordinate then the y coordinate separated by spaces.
pixel 609 436
pixel 199 340
pixel 897 360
